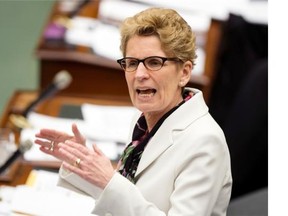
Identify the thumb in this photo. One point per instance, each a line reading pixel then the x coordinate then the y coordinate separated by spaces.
pixel 78 136
pixel 97 150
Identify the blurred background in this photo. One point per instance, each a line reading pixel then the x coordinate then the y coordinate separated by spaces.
pixel 21 23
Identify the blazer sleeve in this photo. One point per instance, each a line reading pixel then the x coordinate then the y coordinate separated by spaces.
pixel 200 176
pixel 122 198
pixel 77 184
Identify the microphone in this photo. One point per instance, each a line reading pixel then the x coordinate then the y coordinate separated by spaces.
pixel 61 80
pixel 25 146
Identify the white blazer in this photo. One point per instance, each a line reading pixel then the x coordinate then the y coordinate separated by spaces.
pixel 184 171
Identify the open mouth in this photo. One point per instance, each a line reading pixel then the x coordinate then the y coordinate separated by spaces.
pixel 146 92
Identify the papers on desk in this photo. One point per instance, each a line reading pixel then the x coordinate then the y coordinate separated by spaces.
pixel 42 197
pixel 107 126
pixel 253 11
pixel 194 15
pixel 104 39
pixel 110 123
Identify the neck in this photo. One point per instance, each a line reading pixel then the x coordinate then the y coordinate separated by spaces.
pixel 151 121
pixel 153 118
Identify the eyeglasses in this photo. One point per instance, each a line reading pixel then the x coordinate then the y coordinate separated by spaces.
pixel 153 63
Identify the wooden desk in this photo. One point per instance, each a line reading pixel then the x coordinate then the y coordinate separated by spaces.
pixel 21 99
pixel 92 74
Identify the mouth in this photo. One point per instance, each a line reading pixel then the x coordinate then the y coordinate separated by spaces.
pixel 146 92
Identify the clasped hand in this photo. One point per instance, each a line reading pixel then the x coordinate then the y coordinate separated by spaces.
pixel 90 164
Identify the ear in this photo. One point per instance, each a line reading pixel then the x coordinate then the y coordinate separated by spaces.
pixel 185 73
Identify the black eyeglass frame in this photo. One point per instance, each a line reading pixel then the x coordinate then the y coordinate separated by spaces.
pixel 164 59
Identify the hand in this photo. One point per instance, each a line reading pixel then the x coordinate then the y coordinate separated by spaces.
pixel 49 140
pixel 91 165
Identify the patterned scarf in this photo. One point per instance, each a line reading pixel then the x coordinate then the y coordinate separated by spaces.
pixel 131 156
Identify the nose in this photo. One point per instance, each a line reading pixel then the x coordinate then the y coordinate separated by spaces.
pixel 141 72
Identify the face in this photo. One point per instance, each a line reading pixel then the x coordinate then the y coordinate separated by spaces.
pixel 155 92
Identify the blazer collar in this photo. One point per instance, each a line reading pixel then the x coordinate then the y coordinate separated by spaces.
pixel 163 139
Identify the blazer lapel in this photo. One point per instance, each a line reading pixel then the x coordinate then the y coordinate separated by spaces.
pixel 163 139
pixel 155 147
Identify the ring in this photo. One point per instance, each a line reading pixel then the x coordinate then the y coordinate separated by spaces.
pixel 52 146
pixel 77 162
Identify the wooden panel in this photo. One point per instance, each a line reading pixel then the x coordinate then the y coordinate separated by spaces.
pixel 88 79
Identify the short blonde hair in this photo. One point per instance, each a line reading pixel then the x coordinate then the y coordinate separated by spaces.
pixel 176 36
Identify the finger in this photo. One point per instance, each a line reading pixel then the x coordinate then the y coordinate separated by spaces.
pixel 97 150
pixel 50 150
pixel 75 169
pixel 65 153
pixel 78 136
pixel 43 143
pixel 47 150
pixel 53 135
pixel 44 135
pixel 72 150
pixel 75 130
pixel 77 146
pixel 49 132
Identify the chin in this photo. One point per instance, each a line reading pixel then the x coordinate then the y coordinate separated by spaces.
pixel 145 108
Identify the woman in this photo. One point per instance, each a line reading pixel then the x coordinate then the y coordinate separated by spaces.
pixel 177 162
